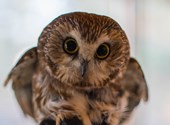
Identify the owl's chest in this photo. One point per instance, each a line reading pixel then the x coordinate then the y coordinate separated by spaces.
pixel 94 103
pixel 53 98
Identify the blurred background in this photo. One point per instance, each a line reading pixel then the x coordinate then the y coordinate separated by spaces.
pixel 146 22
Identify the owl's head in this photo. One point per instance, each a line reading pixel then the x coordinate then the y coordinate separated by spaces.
pixel 84 50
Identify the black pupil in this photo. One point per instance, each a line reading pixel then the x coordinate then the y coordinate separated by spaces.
pixel 71 45
pixel 102 51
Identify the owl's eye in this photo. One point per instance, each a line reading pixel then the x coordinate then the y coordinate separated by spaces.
pixel 103 51
pixel 70 46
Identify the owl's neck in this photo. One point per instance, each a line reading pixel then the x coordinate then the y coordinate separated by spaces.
pixel 106 94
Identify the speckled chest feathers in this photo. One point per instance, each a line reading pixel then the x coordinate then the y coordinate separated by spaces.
pixel 80 68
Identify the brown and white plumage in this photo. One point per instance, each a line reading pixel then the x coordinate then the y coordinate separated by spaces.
pixel 21 76
pixel 51 82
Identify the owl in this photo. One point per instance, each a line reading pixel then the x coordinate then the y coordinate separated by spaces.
pixel 80 73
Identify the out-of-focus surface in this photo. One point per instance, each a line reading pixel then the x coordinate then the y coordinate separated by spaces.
pixel 146 22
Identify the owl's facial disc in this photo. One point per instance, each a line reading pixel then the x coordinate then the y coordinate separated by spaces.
pixel 84 62
pixel 82 49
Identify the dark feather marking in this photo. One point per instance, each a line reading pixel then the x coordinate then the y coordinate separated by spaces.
pixel 113 74
pixel 71 121
pixel 48 122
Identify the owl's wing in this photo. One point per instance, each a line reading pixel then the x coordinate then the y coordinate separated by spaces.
pixel 134 84
pixel 21 77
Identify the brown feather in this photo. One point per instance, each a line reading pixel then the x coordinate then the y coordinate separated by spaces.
pixel 21 76
pixel 134 87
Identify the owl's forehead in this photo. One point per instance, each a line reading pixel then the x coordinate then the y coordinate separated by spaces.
pixel 89 26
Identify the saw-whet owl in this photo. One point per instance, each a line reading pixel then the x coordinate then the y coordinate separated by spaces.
pixel 80 73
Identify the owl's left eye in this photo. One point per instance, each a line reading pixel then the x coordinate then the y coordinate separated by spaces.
pixel 70 46
pixel 103 51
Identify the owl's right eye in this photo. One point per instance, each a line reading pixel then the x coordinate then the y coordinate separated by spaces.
pixel 70 46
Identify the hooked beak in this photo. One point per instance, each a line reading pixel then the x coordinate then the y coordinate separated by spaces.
pixel 83 67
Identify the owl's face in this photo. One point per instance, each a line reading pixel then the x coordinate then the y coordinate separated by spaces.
pixel 84 50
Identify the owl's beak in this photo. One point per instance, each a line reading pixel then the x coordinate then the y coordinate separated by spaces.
pixel 83 67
